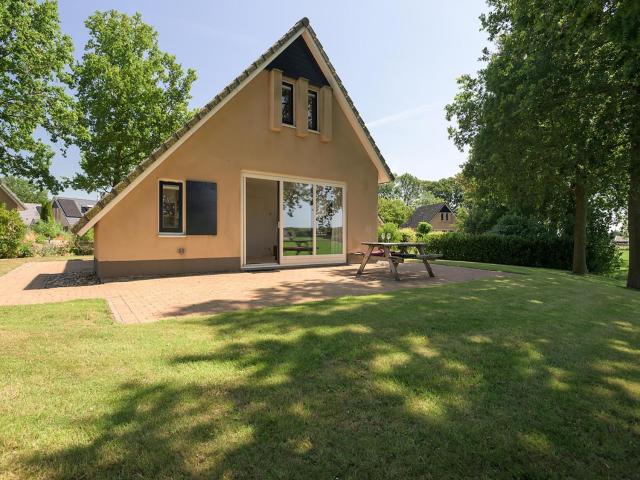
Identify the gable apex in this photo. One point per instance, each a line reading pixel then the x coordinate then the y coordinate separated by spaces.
pixel 297 61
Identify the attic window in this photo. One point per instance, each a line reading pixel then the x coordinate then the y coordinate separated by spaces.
pixel 312 110
pixel 287 103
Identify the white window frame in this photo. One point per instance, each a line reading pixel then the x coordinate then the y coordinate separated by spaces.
pixel 292 84
pixel 293 260
pixel 182 233
pixel 317 92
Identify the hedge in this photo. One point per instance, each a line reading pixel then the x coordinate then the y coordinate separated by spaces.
pixel 549 252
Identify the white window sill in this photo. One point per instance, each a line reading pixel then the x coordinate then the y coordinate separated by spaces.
pixel 171 235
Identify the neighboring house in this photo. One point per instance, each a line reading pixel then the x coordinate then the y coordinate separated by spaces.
pixel 277 170
pixel 439 215
pixel 68 211
pixel 29 212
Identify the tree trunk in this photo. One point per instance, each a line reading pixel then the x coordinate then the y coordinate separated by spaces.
pixel 580 228
pixel 633 278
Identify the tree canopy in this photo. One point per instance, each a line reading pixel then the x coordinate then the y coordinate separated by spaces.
pixel 34 56
pixel 131 97
pixel 25 190
pixel 415 192
pixel 541 117
pixel 393 210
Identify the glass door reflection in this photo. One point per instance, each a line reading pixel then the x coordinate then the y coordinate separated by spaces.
pixel 297 207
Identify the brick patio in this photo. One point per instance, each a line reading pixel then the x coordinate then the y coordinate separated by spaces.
pixel 150 299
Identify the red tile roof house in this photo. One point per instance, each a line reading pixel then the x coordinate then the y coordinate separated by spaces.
pixel 277 170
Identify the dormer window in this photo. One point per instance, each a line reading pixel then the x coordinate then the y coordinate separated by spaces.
pixel 287 104
pixel 312 110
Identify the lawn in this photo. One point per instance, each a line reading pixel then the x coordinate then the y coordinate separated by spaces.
pixel 536 375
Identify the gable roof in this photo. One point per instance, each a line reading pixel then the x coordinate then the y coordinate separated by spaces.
pixel 31 214
pixel 425 213
pixel 19 204
pixel 72 207
pixel 302 30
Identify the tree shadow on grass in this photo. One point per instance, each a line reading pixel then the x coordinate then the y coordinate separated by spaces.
pixel 387 387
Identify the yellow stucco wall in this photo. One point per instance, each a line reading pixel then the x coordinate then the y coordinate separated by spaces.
pixel 439 225
pixel 239 138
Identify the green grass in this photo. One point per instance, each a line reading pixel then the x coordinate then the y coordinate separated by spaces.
pixel 8 264
pixel 536 375
pixel 324 246
pixel 621 273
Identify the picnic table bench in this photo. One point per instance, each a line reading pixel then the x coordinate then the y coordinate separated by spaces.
pixel 397 257
pixel 300 246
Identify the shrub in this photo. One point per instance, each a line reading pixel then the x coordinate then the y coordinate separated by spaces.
pixel 512 224
pixel 548 251
pixel 26 249
pixel 46 211
pixel 83 245
pixel 389 233
pixel 54 248
pixel 423 229
pixel 12 230
pixel 393 211
pixel 47 229
pixel 407 235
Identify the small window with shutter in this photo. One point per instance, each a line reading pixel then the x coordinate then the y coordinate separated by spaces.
pixel 170 207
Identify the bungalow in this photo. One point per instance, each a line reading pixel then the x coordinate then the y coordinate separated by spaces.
pixel 29 212
pixel 68 211
pixel 277 170
pixel 439 215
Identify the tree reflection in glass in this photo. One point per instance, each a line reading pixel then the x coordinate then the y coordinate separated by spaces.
pixel 298 219
pixel 329 218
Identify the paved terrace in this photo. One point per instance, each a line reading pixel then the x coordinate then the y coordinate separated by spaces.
pixel 149 299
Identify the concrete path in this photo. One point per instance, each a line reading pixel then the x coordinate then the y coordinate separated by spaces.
pixel 149 299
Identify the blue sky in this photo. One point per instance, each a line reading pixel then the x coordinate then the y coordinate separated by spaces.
pixel 398 59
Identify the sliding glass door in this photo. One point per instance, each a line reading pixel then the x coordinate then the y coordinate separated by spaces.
pixel 297 225
pixel 306 217
pixel 329 220
pixel 312 222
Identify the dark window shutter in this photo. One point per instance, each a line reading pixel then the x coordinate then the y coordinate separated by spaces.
pixel 202 208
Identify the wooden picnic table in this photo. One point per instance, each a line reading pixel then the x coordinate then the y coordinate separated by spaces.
pixel 301 245
pixel 394 258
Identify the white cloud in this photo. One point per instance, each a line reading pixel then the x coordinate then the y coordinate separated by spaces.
pixel 403 115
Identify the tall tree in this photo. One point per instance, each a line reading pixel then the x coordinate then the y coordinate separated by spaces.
pixel 450 189
pixel 537 116
pixel 621 20
pixel 131 97
pixel 34 54
pixel 405 187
